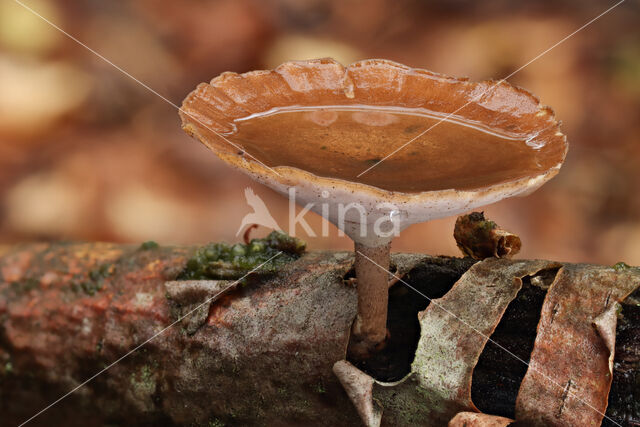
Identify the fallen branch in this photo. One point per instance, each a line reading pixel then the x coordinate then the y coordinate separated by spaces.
pixel 259 354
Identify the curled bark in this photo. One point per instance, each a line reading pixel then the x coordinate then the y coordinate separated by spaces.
pixel 481 238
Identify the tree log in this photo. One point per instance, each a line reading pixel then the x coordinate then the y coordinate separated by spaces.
pixel 260 353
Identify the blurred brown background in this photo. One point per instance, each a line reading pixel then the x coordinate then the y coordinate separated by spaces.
pixel 86 153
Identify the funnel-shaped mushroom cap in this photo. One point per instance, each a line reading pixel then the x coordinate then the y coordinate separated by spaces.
pixel 316 126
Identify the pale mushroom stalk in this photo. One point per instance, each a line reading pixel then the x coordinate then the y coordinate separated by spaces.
pixel 309 129
pixel 372 266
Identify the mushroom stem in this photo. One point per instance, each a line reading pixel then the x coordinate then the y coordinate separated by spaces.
pixel 370 326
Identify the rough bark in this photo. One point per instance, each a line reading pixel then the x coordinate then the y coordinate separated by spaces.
pixel 260 353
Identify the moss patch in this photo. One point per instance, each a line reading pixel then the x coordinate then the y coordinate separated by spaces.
pixel 149 245
pixel 25 285
pixel 144 380
pixel 620 266
pixel 221 261
pixel 94 280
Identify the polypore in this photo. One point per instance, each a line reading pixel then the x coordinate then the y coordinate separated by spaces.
pixel 326 131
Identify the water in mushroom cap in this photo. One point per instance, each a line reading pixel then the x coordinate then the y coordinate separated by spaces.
pixel 342 141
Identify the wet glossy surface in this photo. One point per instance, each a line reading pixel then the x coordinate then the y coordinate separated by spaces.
pixel 342 142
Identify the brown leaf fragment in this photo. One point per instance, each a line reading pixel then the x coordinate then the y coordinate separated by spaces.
pixel 570 370
pixel 474 419
pixel 481 238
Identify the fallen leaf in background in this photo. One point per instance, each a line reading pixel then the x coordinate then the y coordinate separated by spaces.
pixel 139 212
pixel 36 94
pixel 47 202
pixel 22 31
pixel 292 47
pixel 587 213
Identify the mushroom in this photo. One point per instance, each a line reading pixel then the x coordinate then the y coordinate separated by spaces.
pixel 323 133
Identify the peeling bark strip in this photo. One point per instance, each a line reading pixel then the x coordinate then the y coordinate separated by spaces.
pixel 261 354
pixel 574 348
pixel 455 329
pixel 359 388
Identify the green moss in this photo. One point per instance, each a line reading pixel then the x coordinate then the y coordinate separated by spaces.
pixel 216 423
pixel 488 225
pixel 8 368
pixel 149 245
pixel 143 381
pixel 25 285
pixel 94 281
pixel 620 266
pixel 224 261
pixel 102 272
pixel 90 288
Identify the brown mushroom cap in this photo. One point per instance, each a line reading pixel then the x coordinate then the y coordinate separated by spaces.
pixel 316 125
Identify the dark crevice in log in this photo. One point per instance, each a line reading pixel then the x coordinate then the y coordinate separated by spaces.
pixel 434 280
pixel 498 374
pixel 624 398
